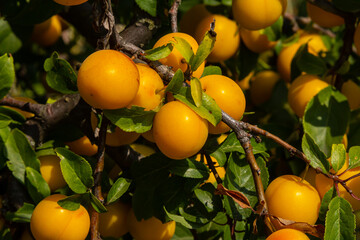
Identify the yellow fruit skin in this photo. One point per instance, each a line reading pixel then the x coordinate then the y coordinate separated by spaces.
pixel 83 146
pixel 70 2
pixel 150 93
pixel 289 198
pixel 322 17
pixel 51 172
pixel 113 223
pixel 118 137
pixel 287 234
pixel 323 184
pixel 149 136
pixel 50 221
pixel 262 86
pixel 191 19
pixel 310 176
pixel 244 83
pixel 48 32
pixel 108 79
pixel 150 229
pixel 257 14
pixel 352 91
pixel 220 170
pixel 227 38
pixel 178 131
pixel 286 55
pixel 302 90
pixel 256 41
pixel 228 95
pixel 175 59
pixel 144 150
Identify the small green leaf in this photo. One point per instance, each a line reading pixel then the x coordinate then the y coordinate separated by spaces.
pixel 354 157
pixel 96 204
pixel 148 6
pixel 159 52
pixel 20 155
pixel 13 114
pixel 76 170
pixel 118 189
pixel 340 220
pixel 176 82
pixel 196 91
pixel 5 120
pixel 72 203
pixel 304 61
pixel 246 61
pixel 313 153
pixel 135 119
pixel 211 70
pixel 7 74
pixel 232 144
pixel 203 51
pixel 324 207
pixel 274 31
pixel 184 48
pixel 326 118
pixel 22 215
pixel 209 110
pixel 9 42
pixel 338 156
pixel 36 185
pixel 179 219
pixel 189 168
pixel 60 75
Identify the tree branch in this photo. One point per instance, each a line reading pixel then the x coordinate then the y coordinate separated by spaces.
pixel 173 15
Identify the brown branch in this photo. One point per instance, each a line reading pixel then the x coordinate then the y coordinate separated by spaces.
pixel 244 139
pixel 173 15
pixel 97 178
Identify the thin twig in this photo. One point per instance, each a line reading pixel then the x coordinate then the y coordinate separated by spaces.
pixel 173 15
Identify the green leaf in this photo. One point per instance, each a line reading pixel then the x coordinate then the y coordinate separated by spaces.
pixel 347 5
pixel 211 70
pixel 96 204
pixel 118 189
pixel 239 177
pixel 36 185
pixel 5 120
pixel 176 82
pixel 211 202
pixel 274 31
pixel 135 119
pixel 20 155
pixel 184 48
pixel 22 215
pixel 159 52
pixel 72 203
pixel 304 61
pixel 179 219
pixel 313 153
pixel 209 110
pixel 326 118
pixel 203 51
pixel 148 6
pixel 246 61
pixel 76 170
pixel 324 207
pixel 9 42
pixel 182 233
pixel 13 114
pixel 340 220
pixel 189 168
pixel 28 13
pixel 7 74
pixel 60 75
pixel 196 91
pixel 338 156
pixel 354 157
pixel 232 144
